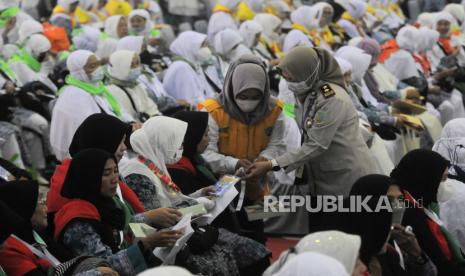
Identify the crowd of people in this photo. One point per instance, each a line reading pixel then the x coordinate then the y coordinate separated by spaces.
pixel 123 113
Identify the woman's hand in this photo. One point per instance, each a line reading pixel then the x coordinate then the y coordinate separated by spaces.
pixel 164 217
pixel 163 238
pixel 209 191
pixel 406 240
pixel 243 163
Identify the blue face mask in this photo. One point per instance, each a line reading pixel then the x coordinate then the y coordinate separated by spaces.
pixel 134 74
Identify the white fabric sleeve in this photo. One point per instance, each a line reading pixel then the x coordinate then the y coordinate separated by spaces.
pixel 276 145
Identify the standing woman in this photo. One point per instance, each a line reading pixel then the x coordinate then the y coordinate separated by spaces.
pixel 333 154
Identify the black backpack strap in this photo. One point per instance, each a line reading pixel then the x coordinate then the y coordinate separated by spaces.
pixel 212 83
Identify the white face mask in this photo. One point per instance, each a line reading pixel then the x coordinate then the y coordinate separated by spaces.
pixel 204 54
pixel 247 106
pixel 134 74
pixel 97 75
pixel 301 88
pixel 177 155
pixel 447 189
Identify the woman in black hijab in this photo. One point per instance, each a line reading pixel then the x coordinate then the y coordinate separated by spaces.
pixel 419 174
pixel 93 221
pixel 416 261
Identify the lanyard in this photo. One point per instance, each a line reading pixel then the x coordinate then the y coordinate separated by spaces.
pixel 165 179
pixel 44 254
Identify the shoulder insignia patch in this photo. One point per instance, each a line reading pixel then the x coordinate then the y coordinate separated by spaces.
pixel 327 91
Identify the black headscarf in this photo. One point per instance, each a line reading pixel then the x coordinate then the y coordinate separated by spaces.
pixel 338 10
pixel 197 125
pixel 21 196
pixel 100 131
pixel 420 172
pixel 84 181
pixel 10 222
pixel 372 184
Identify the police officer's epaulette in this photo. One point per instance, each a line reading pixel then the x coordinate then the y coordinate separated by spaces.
pixel 327 91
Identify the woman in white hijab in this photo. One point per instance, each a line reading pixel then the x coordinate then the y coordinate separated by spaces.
pixel 34 62
pixel 13 22
pixel 86 38
pixel 149 79
pixel 341 246
pixel 116 27
pixel 83 95
pixel 352 19
pixel 124 70
pixel 158 143
pixel 451 193
pixel 185 78
pixel 312 264
pixel 140 23
pixel 304 22
pixel 229 47
pixel 250 32
pixel 222 18
pixel 28 28
pixel 271 26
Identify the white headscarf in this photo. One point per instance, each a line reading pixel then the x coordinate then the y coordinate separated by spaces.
pixel 248 31
pixel 426 19
pixel 407 38
pixel 28 28
pixel 359 60
pixel 312 264
pixel 88 38
pixel 131 43
pixel 226 40
pixel 344 65
pixel 268 22
pixel 338 245
pixel 158 139
pixel 66 4
pixel 309 17
pixel 230 4
pixel 281 7
pixel 444 16
pixel 428 38
pixel 76 62
pixel 37 44
pixel 356 8
pixel 142 13
pixel 457 11
pixel 187 45
pixel 111 26
pixel 166 271
pixel 255 5
pixel 88 4
pixel 120 64
pixel 449 145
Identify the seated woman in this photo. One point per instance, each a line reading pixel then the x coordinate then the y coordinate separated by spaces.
pixel 124 69
pixel 28 251
pixel 165 103
pixel 116 27
pixel 246 124
pixel 83 95
pixel 419 174
pixel 343 247
pixel 415 259
pixel 93 221
pixel 160 142
pixel 108 133
pixel 185 78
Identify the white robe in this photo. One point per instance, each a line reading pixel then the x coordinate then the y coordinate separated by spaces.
pixel 140 98
pixel 73 106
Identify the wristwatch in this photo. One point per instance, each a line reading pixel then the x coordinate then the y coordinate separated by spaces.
pixel 274 165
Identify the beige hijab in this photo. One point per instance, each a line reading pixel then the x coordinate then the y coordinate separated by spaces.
pixel 247 72
pixel 301 61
